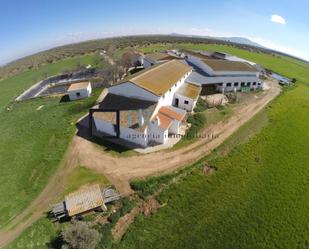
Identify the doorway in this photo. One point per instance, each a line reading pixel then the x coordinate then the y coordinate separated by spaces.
pixel 176 102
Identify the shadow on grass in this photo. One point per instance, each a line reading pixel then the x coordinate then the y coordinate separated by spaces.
pixel 56 243
pixel 65 98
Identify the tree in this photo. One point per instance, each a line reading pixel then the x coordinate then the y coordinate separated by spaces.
pixel 129 59
pixel 109 73
pixel 80 236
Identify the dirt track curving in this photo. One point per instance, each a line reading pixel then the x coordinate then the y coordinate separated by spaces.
pixel 120 170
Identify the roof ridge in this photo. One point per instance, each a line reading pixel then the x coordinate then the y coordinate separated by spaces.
pixel 190 83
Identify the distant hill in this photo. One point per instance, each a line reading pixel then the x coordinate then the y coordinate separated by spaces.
pixel 239 40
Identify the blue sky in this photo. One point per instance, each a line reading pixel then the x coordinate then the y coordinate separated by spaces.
pixel 33 25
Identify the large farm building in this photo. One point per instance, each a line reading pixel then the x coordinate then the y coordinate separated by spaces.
pixel 148 106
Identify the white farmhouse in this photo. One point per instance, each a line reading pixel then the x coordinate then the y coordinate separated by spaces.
pixel 147 107
pixel 79 90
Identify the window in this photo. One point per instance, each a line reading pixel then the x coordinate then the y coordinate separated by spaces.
pixel 236 84
pixel 248 83
pixel 78 94
pixel 242 83
pixel 259 83
pixel 186 102
pixel 228 84
pixel 254 83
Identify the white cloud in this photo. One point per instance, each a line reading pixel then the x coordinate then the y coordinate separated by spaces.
pixel 278 19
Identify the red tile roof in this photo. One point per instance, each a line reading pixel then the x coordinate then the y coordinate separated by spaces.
pixel 166 116
pixel 171 113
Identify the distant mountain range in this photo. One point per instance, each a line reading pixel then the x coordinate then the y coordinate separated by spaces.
pixel 239 40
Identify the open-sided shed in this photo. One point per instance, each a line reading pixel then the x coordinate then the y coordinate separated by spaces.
pixel 84 200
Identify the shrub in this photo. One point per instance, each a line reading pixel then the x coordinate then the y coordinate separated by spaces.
pixel 79 236
pixel 200 105
pixel 114 217
pixel 197 122
pixel 148 187
pixel 127 206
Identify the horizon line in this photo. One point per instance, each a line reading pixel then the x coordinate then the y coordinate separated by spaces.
pixel 50 47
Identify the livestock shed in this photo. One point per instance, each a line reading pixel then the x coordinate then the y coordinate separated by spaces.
pixel 223 75
pixel 86 199
pixel 79 90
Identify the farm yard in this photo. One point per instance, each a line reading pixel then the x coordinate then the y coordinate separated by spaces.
pixel 257 197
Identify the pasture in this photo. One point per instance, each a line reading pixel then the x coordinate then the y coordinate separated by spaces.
pixel 32 141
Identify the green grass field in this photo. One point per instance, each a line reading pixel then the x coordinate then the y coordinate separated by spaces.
pixel 258 198
pixel 81 176
pixel 38 236
pixel 32 142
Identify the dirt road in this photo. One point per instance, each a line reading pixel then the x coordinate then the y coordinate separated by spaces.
pixel 120 170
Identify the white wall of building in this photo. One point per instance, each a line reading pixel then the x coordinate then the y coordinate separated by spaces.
pixel 236 86
pixel 141 59
pixel 80 93
pixel 235 73
pixel 168 98
pixel 130 90
pixel 174 129
pixel 104 126
pixel 134 136
pixel 156 133
pixel 185 103
pixel 128 134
